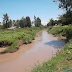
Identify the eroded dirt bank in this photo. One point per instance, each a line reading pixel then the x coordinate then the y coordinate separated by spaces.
pixel 43 48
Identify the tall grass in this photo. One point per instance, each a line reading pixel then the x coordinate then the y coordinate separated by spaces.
pixel 13 37
pixel 61 30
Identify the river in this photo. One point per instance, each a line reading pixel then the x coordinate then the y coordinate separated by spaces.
pixel 42 49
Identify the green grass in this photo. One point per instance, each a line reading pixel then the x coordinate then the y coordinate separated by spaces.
pixel 61 30
pixel 62 61
pixel 13 36
pixel 56 64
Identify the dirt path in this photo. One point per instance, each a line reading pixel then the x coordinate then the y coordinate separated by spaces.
pixel 43 48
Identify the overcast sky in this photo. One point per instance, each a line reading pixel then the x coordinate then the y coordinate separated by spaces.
pixel 45 9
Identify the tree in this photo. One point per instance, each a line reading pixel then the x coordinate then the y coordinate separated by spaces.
pixel 51 22
pixel 22 22
pixel 28 21
pixel 37 22
pixel 17 23
pixel 65 19
pixel 10 23
pixel 67 5
pixel 6 20
pixel 14 23
pixel 55 22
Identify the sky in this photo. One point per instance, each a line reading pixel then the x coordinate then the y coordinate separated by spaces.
pixel 16 9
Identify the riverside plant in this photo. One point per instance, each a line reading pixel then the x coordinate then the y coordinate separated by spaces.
pixel 10 38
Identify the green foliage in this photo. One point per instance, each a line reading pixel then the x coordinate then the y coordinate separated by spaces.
pixel 66 4
pixel 6 22
pixel 13 37
pixel 68 51
pixel 10 23
pixel 66 18
pixel 61 30
pixel 22 22
pixel 52 22
pixel 37 22
pixel 63 61
pixel 1 26
pixel 16 23
pixel 28 21
pixel 56 64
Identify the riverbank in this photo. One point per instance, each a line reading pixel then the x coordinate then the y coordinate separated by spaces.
pixel 43 48
pixel 11 40
pixel 63 60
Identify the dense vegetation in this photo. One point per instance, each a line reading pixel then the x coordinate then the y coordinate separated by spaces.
pixel 37 21
pixel 66 18
pixel 61 30
pixel 23 22
pixel 62 61
pixel 10 38
pixel 52 22
pixel 60 27
pixel 14 31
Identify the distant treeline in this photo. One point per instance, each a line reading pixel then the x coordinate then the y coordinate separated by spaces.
pixel 23 22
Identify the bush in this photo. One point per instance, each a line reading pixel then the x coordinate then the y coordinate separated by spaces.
pixel 13 37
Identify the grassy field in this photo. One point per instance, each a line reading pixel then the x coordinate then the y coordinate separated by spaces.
pixel 10 38
pixel 62 61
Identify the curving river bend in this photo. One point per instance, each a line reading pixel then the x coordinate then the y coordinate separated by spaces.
pixel 42 49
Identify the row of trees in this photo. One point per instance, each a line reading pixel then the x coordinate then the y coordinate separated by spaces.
pixel 23 22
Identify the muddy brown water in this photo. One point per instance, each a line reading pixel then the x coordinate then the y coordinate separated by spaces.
pixel 42 49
